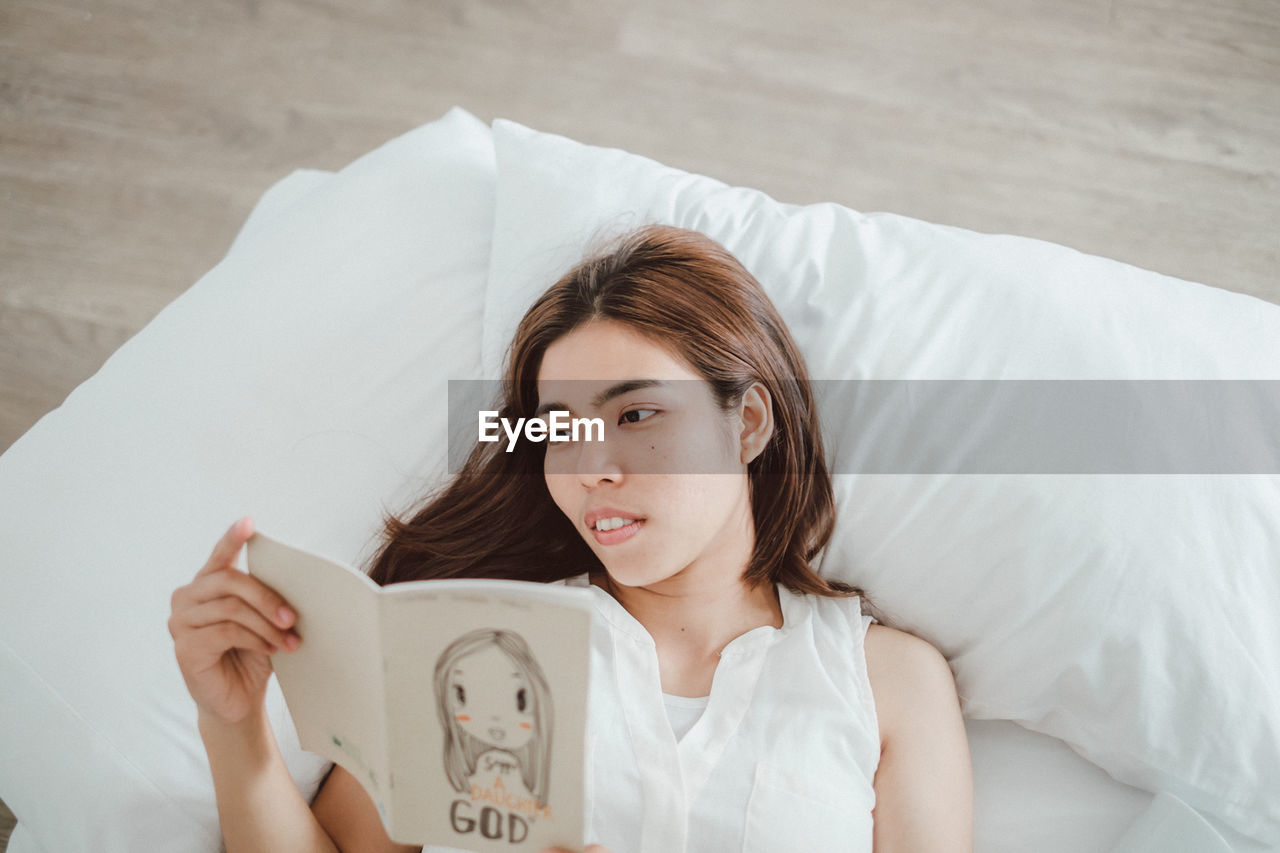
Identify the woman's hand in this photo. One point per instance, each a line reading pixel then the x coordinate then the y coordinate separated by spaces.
pixel 225 624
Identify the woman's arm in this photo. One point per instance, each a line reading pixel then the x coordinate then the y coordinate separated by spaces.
pixel 259 807
pixel 924 784
pixel 225 625
pixel 347 813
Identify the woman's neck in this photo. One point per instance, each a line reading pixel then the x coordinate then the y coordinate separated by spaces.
pixel 692 616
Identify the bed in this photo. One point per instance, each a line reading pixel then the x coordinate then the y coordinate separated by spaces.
pixel 1111 628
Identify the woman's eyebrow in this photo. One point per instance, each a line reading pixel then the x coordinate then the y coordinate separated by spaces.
pixel 604 396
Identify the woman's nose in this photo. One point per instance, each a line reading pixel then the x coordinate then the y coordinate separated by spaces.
pixel 597 463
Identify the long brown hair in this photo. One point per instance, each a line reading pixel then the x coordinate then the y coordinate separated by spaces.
pixel 686 293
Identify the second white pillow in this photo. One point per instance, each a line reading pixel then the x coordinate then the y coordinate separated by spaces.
pixel 1131 616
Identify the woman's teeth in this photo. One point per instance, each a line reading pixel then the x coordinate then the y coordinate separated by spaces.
pixel 613 523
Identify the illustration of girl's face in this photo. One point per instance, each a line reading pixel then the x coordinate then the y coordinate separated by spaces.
pixel 670 466
pixel 491 700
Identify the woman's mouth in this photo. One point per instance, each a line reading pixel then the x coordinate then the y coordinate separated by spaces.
pixel 615 529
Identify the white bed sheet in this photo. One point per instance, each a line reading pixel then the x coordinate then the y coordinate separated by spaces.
pixel 1032 792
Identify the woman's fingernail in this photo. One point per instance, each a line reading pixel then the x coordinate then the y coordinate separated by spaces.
pixel 284 616
pixel 292 641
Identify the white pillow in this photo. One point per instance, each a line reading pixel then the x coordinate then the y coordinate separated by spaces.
pixel 1132 616
pixel 302 381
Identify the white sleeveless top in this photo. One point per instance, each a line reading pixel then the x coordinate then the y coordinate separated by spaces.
pixel 683 712
pixel 782 758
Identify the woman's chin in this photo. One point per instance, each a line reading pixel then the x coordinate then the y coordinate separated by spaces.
pixel 634 576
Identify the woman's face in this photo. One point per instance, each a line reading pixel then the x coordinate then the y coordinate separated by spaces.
pixel 671 466
pixel 491 699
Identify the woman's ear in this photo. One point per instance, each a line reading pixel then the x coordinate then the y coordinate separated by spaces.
pixel 756 415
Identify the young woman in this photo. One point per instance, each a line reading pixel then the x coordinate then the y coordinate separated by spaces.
pixel 743 702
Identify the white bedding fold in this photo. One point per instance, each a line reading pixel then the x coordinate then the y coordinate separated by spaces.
pixel 1170 826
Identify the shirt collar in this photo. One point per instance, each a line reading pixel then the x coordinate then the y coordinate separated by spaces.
pixel 794 615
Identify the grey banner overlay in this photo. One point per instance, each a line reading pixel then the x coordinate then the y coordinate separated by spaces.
pixel 1007 426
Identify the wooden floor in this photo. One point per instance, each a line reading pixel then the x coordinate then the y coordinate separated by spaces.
pixel 136 135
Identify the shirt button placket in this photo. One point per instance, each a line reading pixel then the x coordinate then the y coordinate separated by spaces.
pixel 666 820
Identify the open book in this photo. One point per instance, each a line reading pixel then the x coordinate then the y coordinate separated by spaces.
pixel 460 705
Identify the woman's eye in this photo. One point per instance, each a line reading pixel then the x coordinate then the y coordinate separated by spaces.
pixel 459 694
pixel 556 443
pixel 634 415
pixel 522 700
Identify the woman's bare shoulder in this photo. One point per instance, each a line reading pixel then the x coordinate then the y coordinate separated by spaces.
pixel 908 677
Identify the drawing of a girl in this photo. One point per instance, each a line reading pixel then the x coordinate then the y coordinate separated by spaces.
pixel 493 699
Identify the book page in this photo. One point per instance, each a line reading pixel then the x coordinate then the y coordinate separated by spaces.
pixel 333 684
pixel 487 693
